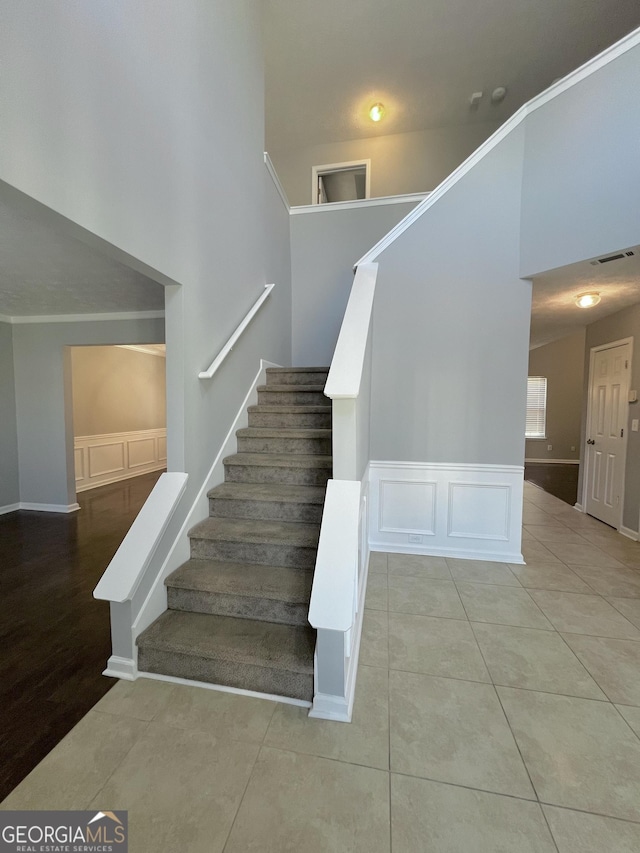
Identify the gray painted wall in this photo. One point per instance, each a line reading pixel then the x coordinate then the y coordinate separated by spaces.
pixel 9 486
pixel 451 326
pixel 624 324
pixel 401 163
pixel 562 362
pixel 44 403
pixel 117 390
pixel 168 168
pixel 582 171
pixel 325 244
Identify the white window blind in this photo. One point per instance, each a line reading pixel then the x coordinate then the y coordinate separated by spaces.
pixel 536 407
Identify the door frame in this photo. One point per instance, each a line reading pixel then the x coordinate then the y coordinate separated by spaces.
pixel 329 168
pixel 585 476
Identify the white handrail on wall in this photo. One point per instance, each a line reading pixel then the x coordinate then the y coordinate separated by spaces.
pixel 126 570
pixel 334 602
pixel 226 349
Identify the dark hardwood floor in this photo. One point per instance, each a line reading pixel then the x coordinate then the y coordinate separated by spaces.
pixel 558 480
pixel 54 636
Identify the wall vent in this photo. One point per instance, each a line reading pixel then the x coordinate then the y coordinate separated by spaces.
pixel 619 256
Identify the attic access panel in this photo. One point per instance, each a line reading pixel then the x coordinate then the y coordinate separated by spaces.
pixel 341 182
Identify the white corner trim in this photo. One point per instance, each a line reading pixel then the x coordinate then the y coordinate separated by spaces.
pixel 276 180
pixel 9 508
pixel 378 201
pixel 583 72
pixel 553 461
pixel 35 507
pixel 578 506
pixel 88 318
pixel 629 533
pixel 222 688
pixel 124 668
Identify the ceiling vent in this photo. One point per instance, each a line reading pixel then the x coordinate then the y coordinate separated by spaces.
pixel 609 258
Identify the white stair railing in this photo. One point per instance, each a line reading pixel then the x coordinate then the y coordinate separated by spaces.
pixel 339 583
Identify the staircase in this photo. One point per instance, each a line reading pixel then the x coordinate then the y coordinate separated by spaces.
pixel 237 610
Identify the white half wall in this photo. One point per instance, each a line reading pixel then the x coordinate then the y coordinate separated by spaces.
pixel 467 511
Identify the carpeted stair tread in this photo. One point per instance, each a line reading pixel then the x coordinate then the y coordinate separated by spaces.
pixel 293 389
pixel 280 460
pixel 273 408
pixel 277 583
pixel 255 531
pixel 234 641
pixel 268 492
pixel 271 371
pixel 271 432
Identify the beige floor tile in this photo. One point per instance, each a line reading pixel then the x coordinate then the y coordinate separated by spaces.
pixel 632 716
pixel 481 571
pixel 430 817
pixel 577 832
pixel 73 773
pixel 376 595
pixel 141 699
pixel 419 566
pixel 182 789
pixel 297 803
pixel 226 715
pixel 546 533
pixel 535 660
pixel 364 741
pixel 575 613
pixel 435 646
pixel 374 645
pixel 629 607
pixel 579 752
pixel 536 552
pixel 582 555
pixel 623 582
pixel 453 731
pixel 549 576
pixel 615 665
pixel 502 605
pixel 425 597
pixel 377 563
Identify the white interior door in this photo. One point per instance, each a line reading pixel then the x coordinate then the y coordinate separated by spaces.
pixel 606 440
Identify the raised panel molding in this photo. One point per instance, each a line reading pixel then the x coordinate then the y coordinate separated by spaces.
pixel 456 510
pixel 103 459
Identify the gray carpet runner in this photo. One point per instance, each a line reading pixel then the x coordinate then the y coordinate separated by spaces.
pixel 237 610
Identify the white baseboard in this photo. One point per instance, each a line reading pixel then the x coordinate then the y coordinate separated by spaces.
pixel 629 533
pixel 553 461
pixel 470 511
pixel 578 506
pixel 222 688
pixel 124 668
pixel 156 601
pixel 49 507
pixel 9 508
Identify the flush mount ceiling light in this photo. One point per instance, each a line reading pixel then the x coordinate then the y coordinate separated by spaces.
pixel 376 112
pixel 587 300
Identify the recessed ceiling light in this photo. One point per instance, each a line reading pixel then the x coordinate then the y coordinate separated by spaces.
pixel 376 112
pixel 587 300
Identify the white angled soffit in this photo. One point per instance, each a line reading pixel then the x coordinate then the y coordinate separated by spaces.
pixel 600 61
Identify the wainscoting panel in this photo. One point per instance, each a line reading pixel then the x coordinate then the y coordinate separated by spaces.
pixel 103 459
pixel 472 511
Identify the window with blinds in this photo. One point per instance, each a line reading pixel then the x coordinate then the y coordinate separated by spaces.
pixel 536 407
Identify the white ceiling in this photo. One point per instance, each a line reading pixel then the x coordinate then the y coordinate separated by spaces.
pixel 328 62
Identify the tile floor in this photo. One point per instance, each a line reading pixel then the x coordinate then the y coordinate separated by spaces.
pixel 498 709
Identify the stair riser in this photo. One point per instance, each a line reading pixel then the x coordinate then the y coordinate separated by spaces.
pixel 319 446
pixel 231 674
pixel 285 420
pixel 293 556
pixel 277 474
pixel 292 398
pixel 296 378
pixel 268 510
pixel 242 607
